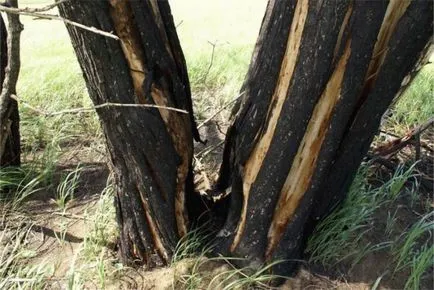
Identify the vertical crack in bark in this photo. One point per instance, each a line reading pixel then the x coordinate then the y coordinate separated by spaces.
pixel 175 123
pixel 153 228
pixel 342 30
pixel 254 163
pixel 394 12
pixel 304 164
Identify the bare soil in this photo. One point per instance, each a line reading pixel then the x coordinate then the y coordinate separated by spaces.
pixel 49 225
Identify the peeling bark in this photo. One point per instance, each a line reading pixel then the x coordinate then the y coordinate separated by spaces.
pixel 151 149
pixel 322 75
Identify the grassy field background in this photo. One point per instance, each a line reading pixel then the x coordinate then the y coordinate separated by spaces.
pixel 51 81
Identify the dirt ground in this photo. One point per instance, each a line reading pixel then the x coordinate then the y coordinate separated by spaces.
pixel 48 226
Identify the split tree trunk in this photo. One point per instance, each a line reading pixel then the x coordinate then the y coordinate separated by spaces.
pixel 9 116
pixel 322 75
pixel 150 148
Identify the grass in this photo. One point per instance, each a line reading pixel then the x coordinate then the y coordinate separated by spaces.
pixel 67 187
pixel 416 251
pixel 343 235
pixel 207 272
pixel 14 272
pixel 416 105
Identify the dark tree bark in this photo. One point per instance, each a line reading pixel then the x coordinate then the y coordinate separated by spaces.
pixel 322 75
pixel 9 116
pixel 150 149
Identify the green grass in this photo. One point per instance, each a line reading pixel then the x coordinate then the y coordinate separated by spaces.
pixel 343 235
pixel 67 187
pixel 416 104
pixel 15 273
pixel 416 251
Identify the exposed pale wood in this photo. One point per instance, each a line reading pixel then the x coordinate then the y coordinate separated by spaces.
pixel 304 164
pixel 151 150
pixel 254 163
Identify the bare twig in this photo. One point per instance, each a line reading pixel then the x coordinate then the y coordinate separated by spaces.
pixel 180 23
pixel 211 61
pixel 220 110
pixel 209 149
pixel 45 8
pixel 389 134
pixel 31 12
pixel 91 109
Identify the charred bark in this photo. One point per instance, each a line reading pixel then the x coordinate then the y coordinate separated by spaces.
pixel 150 149
pixel 9 117
pixel 322 75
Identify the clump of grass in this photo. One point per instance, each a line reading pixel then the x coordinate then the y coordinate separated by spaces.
pixel 207 272
pixel 103 228
pixel 416 104
pixel 15 272
pixel 193 243
pixel 66 188
pixel 93 262
pixel 416 251
pixel 17 184
pixel 339 236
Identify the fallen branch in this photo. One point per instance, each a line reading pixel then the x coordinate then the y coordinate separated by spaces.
pixel 395 145
pixel 422 143
pixel 91 109
pixel 36 13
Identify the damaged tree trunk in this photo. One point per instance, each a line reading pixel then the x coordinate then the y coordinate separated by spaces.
pixel 322 75
pixel 9 71
pixel 150 148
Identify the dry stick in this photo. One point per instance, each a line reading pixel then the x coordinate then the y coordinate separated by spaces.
pixel 209 149
pixel 419 142
pixel 91 109
pixel 211 61
pixel 398 144
pixel 26 12
pixel 11 75
pixel 45 8
pixel 220 110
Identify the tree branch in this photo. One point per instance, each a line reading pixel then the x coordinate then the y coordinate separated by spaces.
pixel 35 12
pixel 399 143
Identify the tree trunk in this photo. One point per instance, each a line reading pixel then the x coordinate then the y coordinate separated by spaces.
pixel 150 148
pixel 9 116
pixel 322 75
